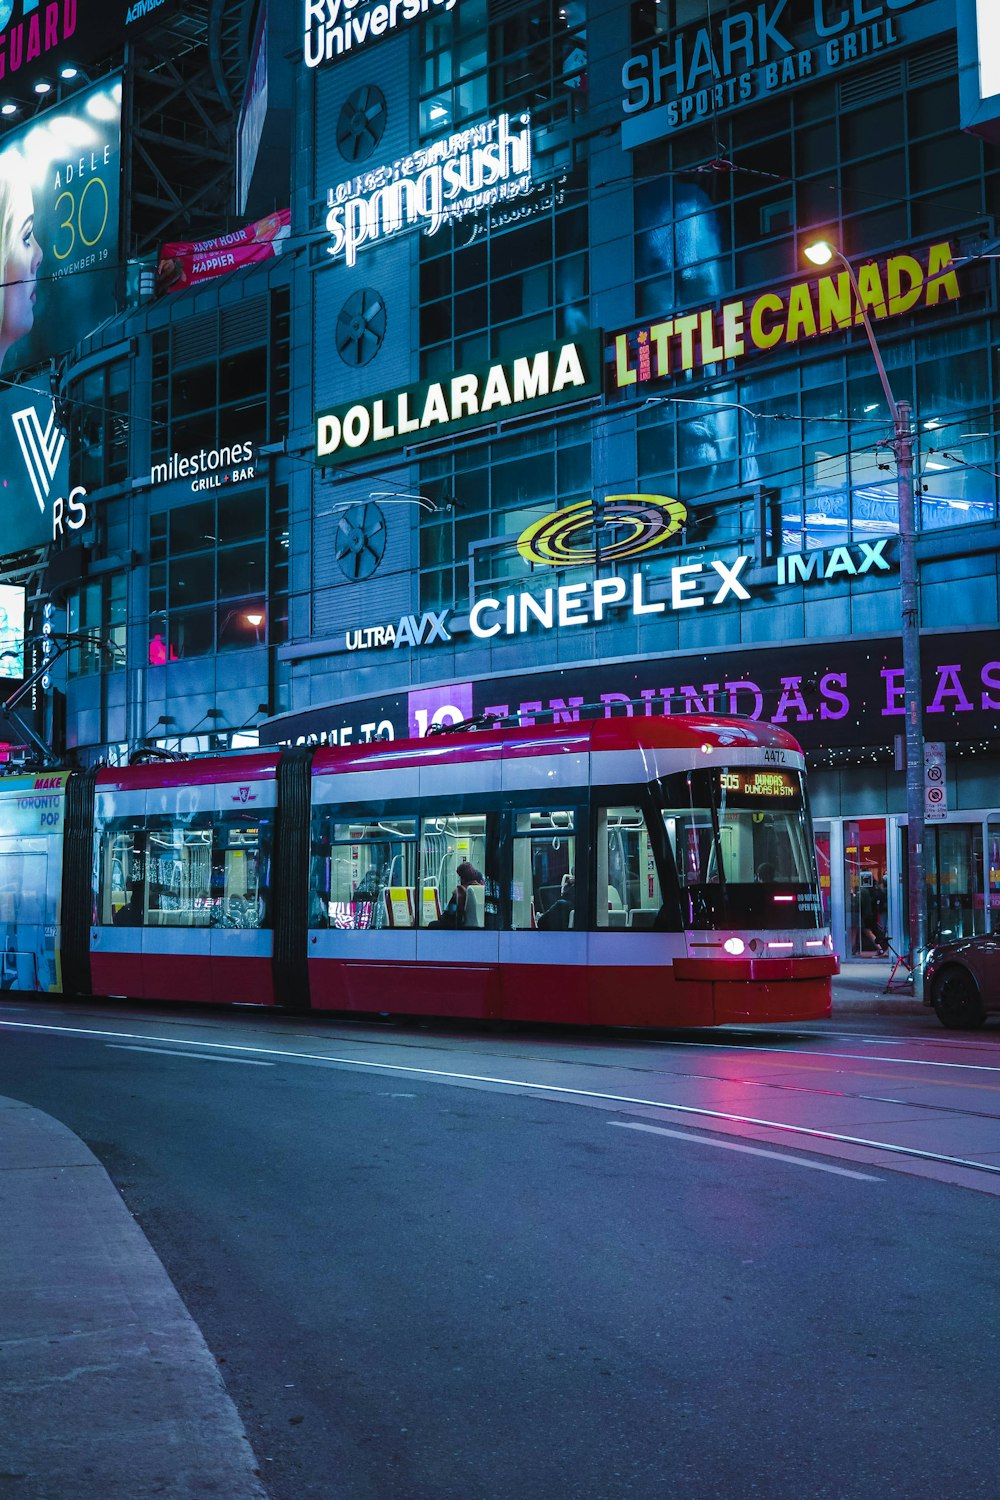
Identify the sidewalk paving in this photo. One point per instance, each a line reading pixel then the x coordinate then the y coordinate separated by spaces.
pixel 107 1389
pixel 860 988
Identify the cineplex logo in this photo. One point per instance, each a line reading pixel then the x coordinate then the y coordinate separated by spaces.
pixel 684 586
pixel 691 586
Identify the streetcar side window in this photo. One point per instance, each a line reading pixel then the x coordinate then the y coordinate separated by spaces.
pixel 626 880
pixel 543 892
pixel 121 872
pixel 363 871
pixel 451 842
pixel 240 870
pixel 179 871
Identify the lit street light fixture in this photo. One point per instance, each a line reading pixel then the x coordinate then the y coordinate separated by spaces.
pixel 821 253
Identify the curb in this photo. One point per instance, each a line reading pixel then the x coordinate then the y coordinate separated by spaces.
pixel 107 1387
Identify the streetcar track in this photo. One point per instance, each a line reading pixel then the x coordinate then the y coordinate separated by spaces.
pixel 738 1038
pixel 701 1117
pixel 433 1044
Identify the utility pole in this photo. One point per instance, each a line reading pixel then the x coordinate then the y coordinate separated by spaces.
pixel 820 254
pixel 902 445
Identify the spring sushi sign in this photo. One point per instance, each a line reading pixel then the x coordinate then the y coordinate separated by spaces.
pixel 459 175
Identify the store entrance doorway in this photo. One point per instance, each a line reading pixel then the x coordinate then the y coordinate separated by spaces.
pixel 866 904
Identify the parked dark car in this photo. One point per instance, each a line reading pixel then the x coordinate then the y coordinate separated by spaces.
pixel 962 980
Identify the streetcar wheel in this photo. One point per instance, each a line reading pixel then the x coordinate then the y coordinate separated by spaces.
pixel 957 1002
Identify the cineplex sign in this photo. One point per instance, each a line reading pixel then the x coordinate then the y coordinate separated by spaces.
pixel 889 288
pixel 690 585
pixel 545 377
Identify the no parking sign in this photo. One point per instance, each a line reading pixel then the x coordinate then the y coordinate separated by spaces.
pixel 935 783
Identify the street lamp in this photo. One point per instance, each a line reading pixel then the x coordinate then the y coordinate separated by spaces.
pixel 821 253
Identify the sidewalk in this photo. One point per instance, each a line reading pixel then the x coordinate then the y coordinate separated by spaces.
pixel 860 988
pixel 107 1388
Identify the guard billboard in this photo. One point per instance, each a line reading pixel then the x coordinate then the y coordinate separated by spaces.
pixel 38 37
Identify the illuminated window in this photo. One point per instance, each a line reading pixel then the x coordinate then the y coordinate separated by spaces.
pixel 99 426
pixel 627 884
pixel 543 893
pixel 223 378
pixel 363 872
pixel 218 575
pixel 97 609
pixel 198 870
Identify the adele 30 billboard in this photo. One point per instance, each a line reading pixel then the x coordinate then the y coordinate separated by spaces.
pixel 59 208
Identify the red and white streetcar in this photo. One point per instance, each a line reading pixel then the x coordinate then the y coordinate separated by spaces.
pixel 617 872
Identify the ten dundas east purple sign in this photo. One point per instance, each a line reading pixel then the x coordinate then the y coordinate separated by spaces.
pixel 831 696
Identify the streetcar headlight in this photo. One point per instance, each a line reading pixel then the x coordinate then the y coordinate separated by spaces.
pixel 735 946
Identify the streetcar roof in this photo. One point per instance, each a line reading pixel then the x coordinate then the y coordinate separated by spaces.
pixel 692 732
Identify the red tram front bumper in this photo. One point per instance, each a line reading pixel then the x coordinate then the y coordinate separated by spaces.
pixel 748 990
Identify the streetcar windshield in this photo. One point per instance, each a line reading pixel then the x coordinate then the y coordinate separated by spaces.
pixel 742 844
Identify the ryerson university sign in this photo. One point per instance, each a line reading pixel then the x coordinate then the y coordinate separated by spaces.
pixel 333 27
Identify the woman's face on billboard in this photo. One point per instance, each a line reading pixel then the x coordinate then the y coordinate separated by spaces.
pixel 19 274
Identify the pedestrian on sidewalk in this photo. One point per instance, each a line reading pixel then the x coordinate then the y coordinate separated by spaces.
pixel 872 936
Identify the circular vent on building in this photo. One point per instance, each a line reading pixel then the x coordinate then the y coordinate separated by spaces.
pixel 360 541
pixel 361 327
pixel 361 123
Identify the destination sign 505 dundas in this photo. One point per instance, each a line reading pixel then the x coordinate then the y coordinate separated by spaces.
pixel 759 785
pixel 545 377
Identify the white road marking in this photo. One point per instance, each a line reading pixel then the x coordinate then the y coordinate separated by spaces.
pixel 905 1062
pixel 707 1140
pixel 246 1062
pixel 519 1083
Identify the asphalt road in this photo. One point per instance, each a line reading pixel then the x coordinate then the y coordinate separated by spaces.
pixel 433 1285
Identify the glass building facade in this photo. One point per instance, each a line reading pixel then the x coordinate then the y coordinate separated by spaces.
pixel 707 519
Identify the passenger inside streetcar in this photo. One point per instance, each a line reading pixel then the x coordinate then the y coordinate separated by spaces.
pixel 558 916
pixel 465 899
